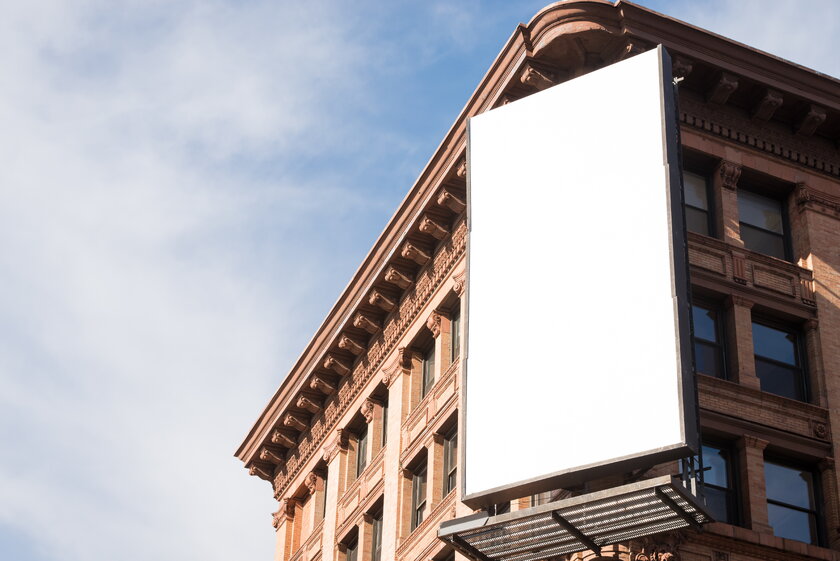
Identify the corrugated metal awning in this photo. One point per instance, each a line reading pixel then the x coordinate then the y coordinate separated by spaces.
pixel 576 524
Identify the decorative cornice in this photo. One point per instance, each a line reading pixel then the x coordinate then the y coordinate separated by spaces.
pixel 411 251
pixel 366 322
pixel 816 200
pixel 331 362
pixel 802 150
pixel 659 547
pixel 312 482
pixel 450 201
pixel 381 301
pixel 283 438
pixel 681 67
pixel 811 120
pixel 261 470
pixel 415 300
pixel 397 278
pixel 273 455
pixel 351 345
pixel 434 228
pixel 320 383
pixel 725 86
pixel 368 408
pixel 310 404
pixel 767 105
pixel 295 422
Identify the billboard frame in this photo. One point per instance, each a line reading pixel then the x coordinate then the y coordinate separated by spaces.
pixel 678 245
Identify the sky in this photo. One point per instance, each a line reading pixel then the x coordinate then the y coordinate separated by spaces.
pixel 185 189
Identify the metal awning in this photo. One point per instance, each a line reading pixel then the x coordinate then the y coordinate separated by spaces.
pixel 576 524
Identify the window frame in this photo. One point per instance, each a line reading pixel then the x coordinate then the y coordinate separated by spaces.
pixel 787 248
pixel 816 492
pixel 799 353
pixel 732 492
pixel 711 230
pixel 450 460
pixel 427 370
pixel 351 548
pixel 455 333
pixel 419 484
pixel 376 536
pixel 362 438
pixel 720 333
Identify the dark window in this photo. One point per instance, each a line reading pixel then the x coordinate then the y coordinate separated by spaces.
pixel 376 546
pixel 428 371
pixel 697 215
pixel 708 341
pixel 455 335
pixel 385 422
pixel 778 362
pixel 792 502
pixel 499 508
pixel 352 552
pixel 324 498
pixel 762 224
pixel 361 451
pixel 719 483
pixel 418 496
pixel 450 461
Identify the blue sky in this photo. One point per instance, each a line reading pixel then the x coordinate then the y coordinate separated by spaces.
pixel 185 189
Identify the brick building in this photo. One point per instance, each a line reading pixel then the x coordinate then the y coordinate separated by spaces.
pixel 359 441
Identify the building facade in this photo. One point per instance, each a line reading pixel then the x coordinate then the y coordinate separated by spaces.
pixel 359 442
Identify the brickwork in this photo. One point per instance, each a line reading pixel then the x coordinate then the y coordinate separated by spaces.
pixel 370 350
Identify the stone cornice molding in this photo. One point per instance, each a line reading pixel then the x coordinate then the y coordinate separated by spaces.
pixel 808 198
pixel 351 345
pixel 320 383
pixel 273 455
pixel 395 277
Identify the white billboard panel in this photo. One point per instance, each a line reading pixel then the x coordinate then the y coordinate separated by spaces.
pixel 577 359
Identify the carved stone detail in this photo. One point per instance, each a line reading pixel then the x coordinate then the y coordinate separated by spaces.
pixel 767 105
pixel 752 441
pixel 739 269
pixel 321 384
pixel 281 437
pixel 295 422
pixel 535 78
pixel 681 67
pixel 433 228
pixel 819 429
pixel 273 455
pixel 808 198
pixel 460 282
pixel 811 120
pixel 411 251
pixel 365 322
pixel 348 344
pixel 724 87
pixel 397 366
pixel 380 300
pixel 305 402
pixel 368 408
pixel 337 365
pixel 395 277
pixel 337 442
pixel 729 174
pixel 312 482
pixel 660 547
pixel 433 323
pixel 461 171
pixel 263 471
pixel 453 203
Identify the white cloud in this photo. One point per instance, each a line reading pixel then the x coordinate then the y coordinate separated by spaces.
pixel 143 232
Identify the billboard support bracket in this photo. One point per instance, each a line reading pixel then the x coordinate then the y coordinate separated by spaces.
pixel 569 527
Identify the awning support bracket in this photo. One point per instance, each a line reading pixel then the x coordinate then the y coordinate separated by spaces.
pixel 581 537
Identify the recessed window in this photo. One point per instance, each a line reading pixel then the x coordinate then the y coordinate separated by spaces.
pixel 428 373
pixel 455 334
pixel 762 224
pixel 450 461
pixel 352 551
pixel 697 215
pixel 719 483
pixel 418 496
pixel 385 422
pixel 778 362
pixel 361 450
pixel 708 341
pixel 376 538
pixel 792 502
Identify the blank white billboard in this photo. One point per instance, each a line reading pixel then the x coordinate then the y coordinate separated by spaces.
pixel 577 359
